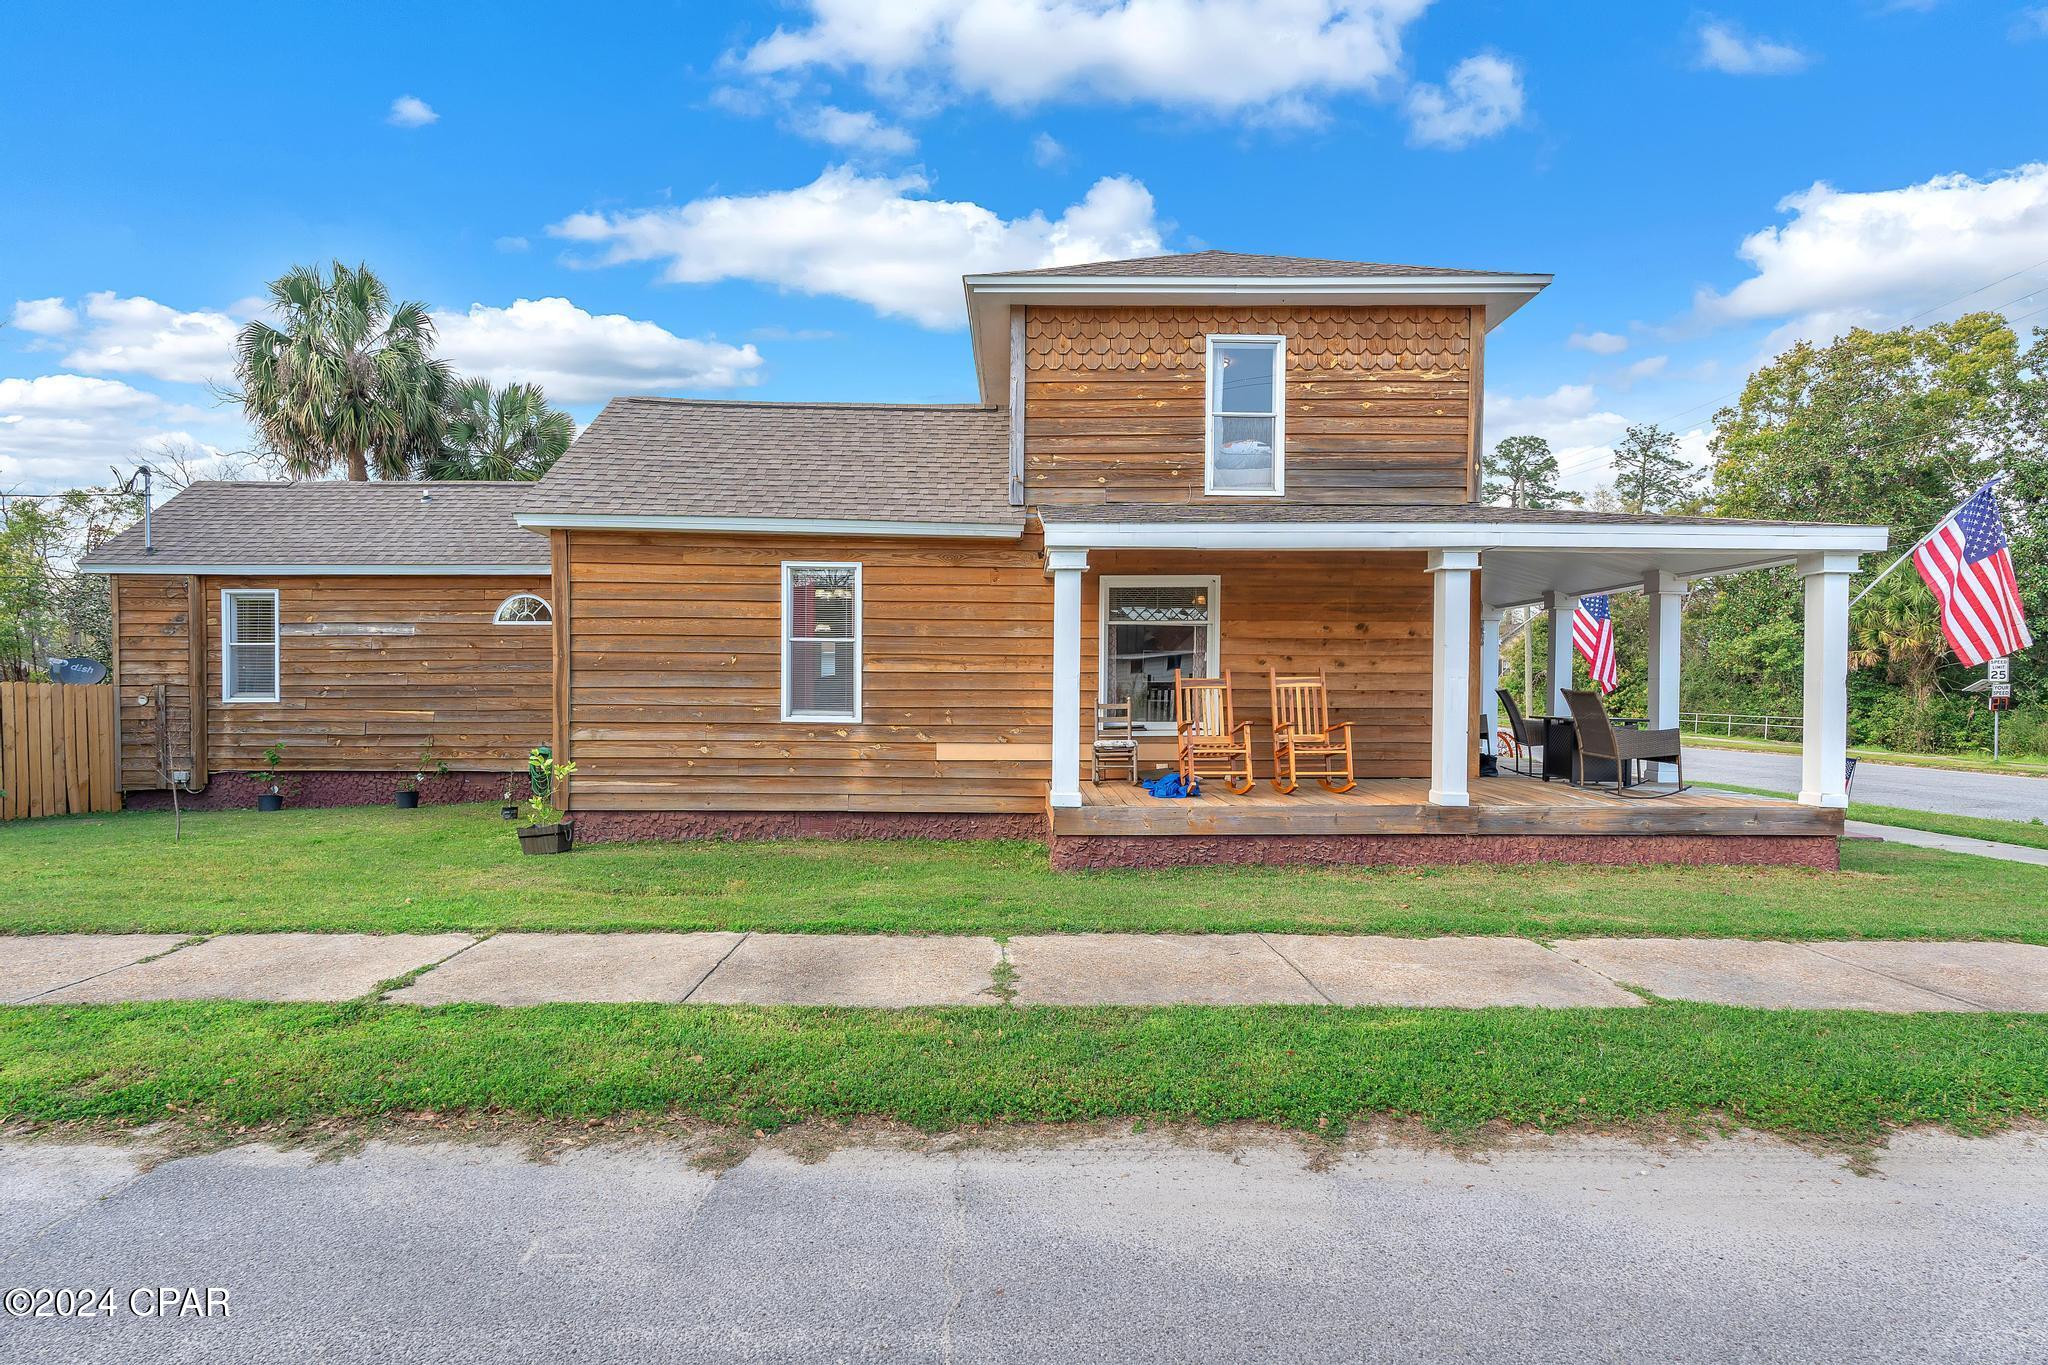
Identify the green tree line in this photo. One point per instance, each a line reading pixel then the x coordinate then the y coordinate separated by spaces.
pixel 1893 427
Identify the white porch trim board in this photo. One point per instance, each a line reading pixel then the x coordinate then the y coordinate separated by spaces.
pixel 1450 675
pixel 1665 594
pixel 1824 746
pixel 1065 568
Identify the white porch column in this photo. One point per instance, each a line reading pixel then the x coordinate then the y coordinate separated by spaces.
pixel 1065 568
pixel 1450 676
pixel 1489 674
pixel 1558 608
pixel 1823 779
pixel 1665 594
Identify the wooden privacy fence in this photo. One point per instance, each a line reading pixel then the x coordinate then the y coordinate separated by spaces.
pixel 58 749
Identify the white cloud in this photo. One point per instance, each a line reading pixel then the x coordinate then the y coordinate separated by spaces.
pixel 44 317
pixel 853 131
pixel 512 245
pixel 136 335
pixel 409 111
pixel 61 430
pixel 1482 97
pixel 2030 23
pixel 581 357
pixel 868 238
pixel 1223 56
pixel 1649 367
pixel 1047 151
pixel 1599 343
pixel 1874 258
pixel 1569 417
pixel 1724 47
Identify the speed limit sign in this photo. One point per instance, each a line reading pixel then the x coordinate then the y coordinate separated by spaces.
pixel 2000 670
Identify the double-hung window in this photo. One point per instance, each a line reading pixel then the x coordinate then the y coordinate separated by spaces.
pixel 1151 628
pixel 248 644
pixel 1246 439
pixel 820 641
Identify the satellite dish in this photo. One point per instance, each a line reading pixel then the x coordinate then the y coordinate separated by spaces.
pixel 78 670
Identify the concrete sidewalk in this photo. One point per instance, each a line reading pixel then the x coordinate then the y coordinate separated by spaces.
pixel 1050 969
pixel 1947 843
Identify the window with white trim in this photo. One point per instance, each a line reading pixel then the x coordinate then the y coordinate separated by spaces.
pixel 1151 627
pixel 821 641
pixel 248 644
pixel 524 609
pixel 1246 429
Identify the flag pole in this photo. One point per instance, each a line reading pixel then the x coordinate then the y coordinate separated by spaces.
pixel 1918 543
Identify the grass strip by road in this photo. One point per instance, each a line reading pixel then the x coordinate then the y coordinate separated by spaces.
pixel 2025 833
pixel 379 870
pixel 1827 1074
pixel 1969 763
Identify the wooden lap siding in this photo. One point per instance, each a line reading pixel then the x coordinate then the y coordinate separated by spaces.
pixel 1380 402
pixel 427 662
pixel 1364 617
pixel 674 649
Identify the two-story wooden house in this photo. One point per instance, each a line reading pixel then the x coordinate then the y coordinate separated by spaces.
pixel 872 619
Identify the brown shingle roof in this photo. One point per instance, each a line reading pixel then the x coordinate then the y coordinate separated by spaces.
pixel 1282 513
pixel 1235 264
pixel 328 522
pixel 685 457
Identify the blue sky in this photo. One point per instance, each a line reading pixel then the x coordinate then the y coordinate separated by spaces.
pixel 777 201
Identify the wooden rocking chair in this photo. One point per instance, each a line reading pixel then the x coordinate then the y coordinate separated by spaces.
pixel 1212 743
pixel 1302 730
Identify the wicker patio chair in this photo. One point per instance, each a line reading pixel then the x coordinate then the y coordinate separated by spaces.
pixel 1527 733
pixel 1599 737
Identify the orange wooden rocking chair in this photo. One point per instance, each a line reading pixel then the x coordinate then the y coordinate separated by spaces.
pixel 1302 730
pixel 1212 742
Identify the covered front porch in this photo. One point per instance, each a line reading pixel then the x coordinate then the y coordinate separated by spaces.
pixel 1408 631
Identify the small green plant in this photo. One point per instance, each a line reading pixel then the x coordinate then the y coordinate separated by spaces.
pixel 429 764
pixel 268 776
pixel 548 778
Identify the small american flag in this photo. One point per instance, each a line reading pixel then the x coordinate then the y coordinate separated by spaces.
pixel 1968 568
pixel 1593 634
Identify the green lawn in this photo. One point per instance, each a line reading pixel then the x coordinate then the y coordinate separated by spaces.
pixel 2026 833
pixel 458 867
pixel 1841 1075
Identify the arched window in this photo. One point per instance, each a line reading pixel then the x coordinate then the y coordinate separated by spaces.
pixel 524 609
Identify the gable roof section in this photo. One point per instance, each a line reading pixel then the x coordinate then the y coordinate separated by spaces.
pixel 825 468
pixel 1241 265
pixel 330 526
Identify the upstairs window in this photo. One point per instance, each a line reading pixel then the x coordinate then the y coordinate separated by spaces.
pixel 1246 436
pixel 524 609
pixel 248 643
pixel 821 641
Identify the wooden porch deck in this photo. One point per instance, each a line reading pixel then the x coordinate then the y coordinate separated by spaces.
pixel 1503 805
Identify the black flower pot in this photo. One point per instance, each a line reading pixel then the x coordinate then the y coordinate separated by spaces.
pixel 408 800
pixel 548 838
pixel 508 812
pixel 270 801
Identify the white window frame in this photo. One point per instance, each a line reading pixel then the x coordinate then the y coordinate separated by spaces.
pixel 1213 652
pixel 498 616
pixel 228 643
pixel 1279 415
pixel 859 639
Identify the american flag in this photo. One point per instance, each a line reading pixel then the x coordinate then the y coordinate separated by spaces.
pixel 1593 634
pixel 1968 568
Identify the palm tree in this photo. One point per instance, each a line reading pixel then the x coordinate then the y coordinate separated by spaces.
pixel 1899 630
pixel 508 433
pixel 345 378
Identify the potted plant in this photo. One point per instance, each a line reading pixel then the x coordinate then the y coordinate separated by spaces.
pixel 408 796
pixel 270 779
pixel 545 830
pixel 510 810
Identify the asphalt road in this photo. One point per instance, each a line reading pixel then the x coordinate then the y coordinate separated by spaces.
pixel 2003 795
pixel 1131 1248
